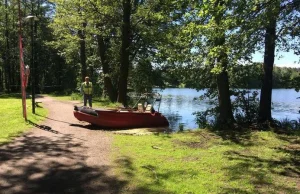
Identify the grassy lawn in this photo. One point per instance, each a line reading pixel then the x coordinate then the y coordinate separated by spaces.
pixel 205 162
pixel 97 102
pixel 73 96
pixel 11 116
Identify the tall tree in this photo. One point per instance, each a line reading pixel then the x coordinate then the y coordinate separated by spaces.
pixel 95 23
pixel 105 17
pixel 7 50
pixel 204 48
pixel 275 21
pixel 226 115
pixel 272 13
pixel 108 85
pixel 82 43
pixel 125 52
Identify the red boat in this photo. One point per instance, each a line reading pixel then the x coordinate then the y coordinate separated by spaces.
pixel 122 118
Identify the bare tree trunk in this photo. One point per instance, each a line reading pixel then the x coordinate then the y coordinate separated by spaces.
pixel 1 81
pixel 108 86
pixel 266 90
pixel 126 40
pixel 7 71
pixel 81 34
pixel 226 115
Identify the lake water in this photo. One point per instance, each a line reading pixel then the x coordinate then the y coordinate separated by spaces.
pixel 178 105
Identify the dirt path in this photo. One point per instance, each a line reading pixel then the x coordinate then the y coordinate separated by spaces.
pixel 59 156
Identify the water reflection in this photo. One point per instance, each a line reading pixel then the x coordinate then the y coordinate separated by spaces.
pixel 178 105
pixel 174 120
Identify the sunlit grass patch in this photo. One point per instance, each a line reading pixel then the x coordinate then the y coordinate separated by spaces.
pixel 105 102
pixel 11 117
pixel 99 102
pixel 204 162
pixel 63 97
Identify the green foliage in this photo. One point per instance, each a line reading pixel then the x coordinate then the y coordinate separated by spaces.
pixel 288 125
pixel 103 19
pixel 202 120
pixel 75 96
pixel 296 83
pixel 250 76
pixel 245 107
pixel 286 77
pixel 246 76
pixel 208 118
pixel 142 77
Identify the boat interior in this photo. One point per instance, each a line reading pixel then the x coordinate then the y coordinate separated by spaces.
pixel 143 105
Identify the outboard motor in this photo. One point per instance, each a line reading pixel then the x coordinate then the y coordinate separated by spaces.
pixel 86 110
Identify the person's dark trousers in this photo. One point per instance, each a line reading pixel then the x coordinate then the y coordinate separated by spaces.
pixel 87 97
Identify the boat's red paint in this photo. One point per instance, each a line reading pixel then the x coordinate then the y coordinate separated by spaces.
pixel 123 119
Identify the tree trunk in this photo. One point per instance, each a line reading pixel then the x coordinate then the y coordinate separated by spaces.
pixel 226 115
pixel 124 68
pixel 266 89
pixel 108 86
pixel 1 81
pixel 81 34
pixel 7 71
pixel 225 109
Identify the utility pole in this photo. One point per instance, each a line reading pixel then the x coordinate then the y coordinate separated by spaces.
pixel 32 67
pixel 32 19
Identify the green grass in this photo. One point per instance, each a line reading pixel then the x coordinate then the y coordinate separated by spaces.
pixel 97 101
pixel 11 116
pixel 204 162
pixel 73 96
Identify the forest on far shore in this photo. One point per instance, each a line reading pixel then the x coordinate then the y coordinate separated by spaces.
pixel 248 77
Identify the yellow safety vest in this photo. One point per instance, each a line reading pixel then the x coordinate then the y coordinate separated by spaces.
pixel 87 88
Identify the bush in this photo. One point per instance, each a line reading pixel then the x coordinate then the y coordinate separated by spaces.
pixel 245 106
pixel 75 96
pixel 288 124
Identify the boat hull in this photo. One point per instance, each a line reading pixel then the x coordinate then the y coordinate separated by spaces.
pixel 121 119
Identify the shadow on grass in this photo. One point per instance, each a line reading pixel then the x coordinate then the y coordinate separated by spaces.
pixel 38 164
pixel 241 137
pixel 154 187
pixel 17 96
pixel 276 175
pixel 11 96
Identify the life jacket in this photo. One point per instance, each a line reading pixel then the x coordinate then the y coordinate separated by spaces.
pixel 87 88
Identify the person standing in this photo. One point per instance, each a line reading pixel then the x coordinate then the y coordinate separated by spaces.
pixel 87 91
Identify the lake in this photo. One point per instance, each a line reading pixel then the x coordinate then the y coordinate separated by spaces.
pixel 178 105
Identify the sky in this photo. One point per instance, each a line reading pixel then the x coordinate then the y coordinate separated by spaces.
pixel 282 59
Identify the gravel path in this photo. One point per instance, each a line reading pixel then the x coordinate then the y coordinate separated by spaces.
pixel 60 156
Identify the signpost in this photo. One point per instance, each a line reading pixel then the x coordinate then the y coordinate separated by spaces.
pixel 22 66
